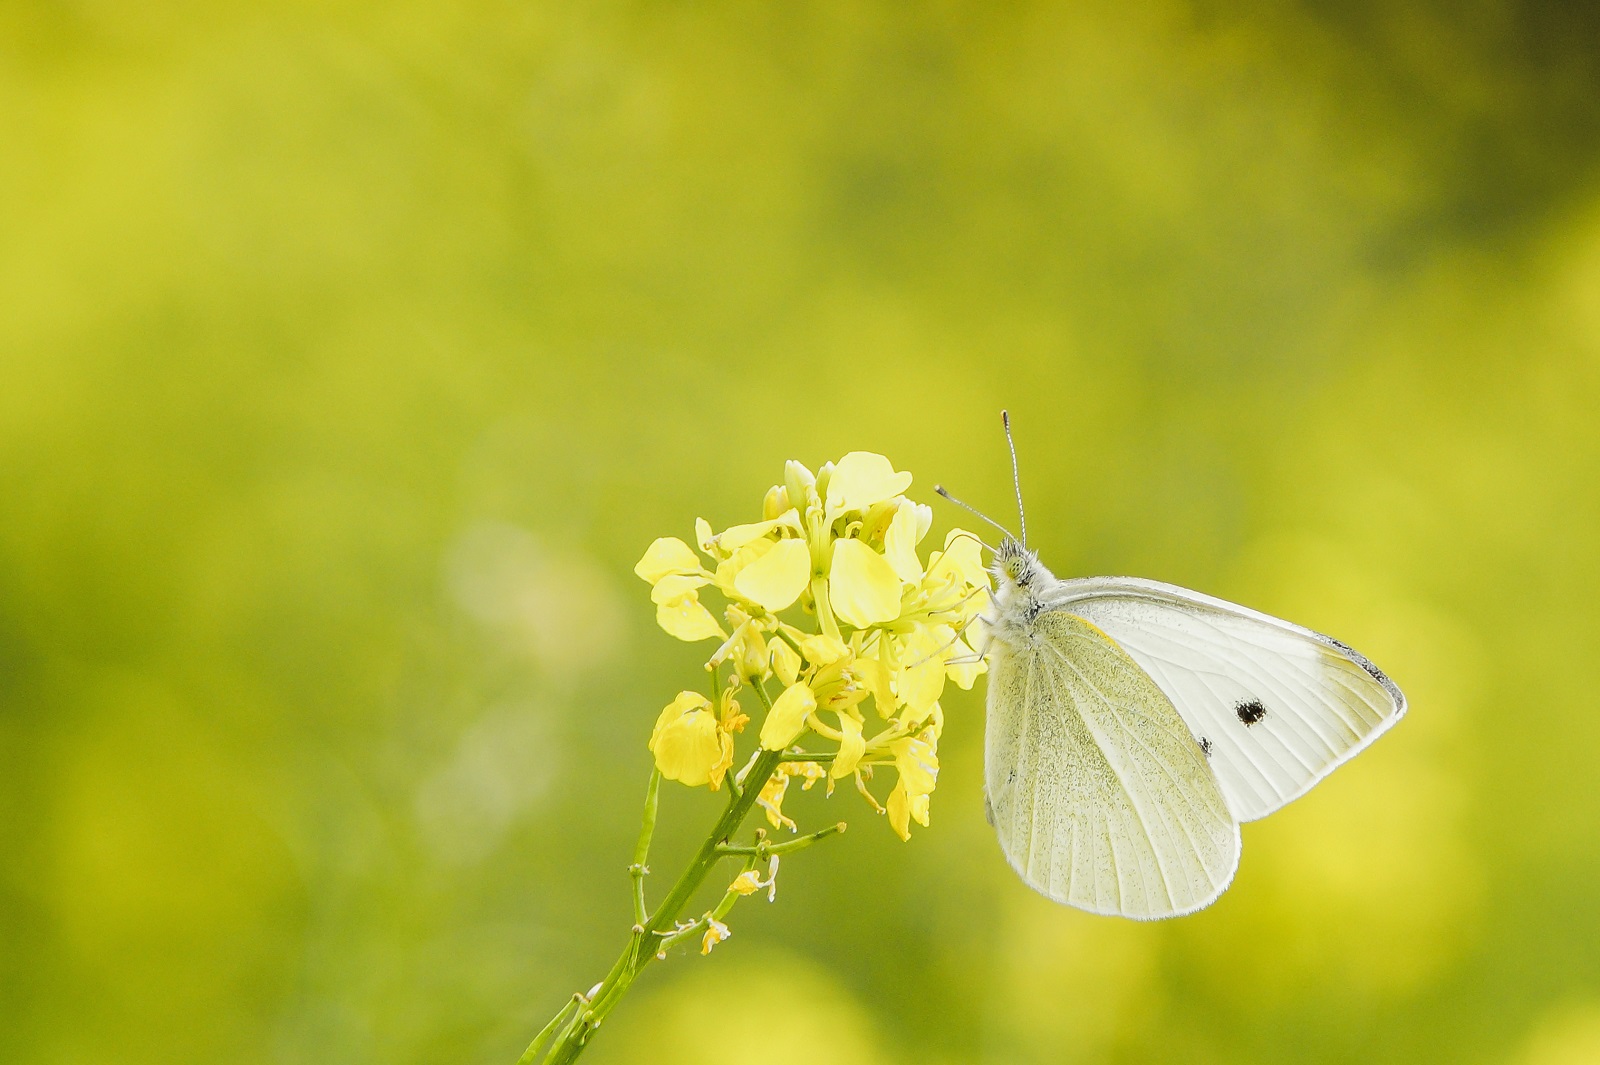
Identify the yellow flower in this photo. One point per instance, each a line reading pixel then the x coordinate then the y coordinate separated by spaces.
pixel 787 718
pixel 749 882
pixel 776 579
pixel 826 593
pixel 862 587
pixel 746 648
pixel 917 762
pixel 675 577
pixel 923 648
pixel 716 932
pixel 837 686
pixel 823 650
pixel 666 556
pixel 771 798
pixel 861 479
pixel 852 745
pixel 920 681
pixel 731 717
pixel 690 744
pixel 961 561
pixel 687 619
pixel 907 528
pixel 786 663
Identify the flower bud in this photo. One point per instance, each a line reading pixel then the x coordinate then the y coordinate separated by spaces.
pixel 798 483
pixel 776 503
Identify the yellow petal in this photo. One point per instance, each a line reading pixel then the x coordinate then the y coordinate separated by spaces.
pixel 787 718
pixel 750 654
pixel 771 801
pixel 729 568
pixel 685 702
pixel 668 554
pixel 920 687
pixel 776 579
pixel 900 544
pixel 877 678
pixel 823 650
pixel 724 761
pixel 861 479
pixel 785 662
pixel 702 534
pixel 965 666
pixel 977 632
pixel 687 619
pixel 686 741
pixel 851 747
pixel 736 536
pixel 919 768
pixel 862 587
pixel 716 932
pixel 676 586
pixel 747 883
pixel 961 559
pixel 899 805
pixel 918 764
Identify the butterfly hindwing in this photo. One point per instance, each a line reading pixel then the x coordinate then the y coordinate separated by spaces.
pixel 1099 793
pixel 1274 706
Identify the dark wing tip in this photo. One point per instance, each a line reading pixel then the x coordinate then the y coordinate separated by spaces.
pixel 1372 671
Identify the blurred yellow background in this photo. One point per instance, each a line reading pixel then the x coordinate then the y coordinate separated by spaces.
pixel 353 353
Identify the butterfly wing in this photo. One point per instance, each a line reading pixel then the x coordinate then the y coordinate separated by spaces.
pixel 1101 797
pixel 1276 706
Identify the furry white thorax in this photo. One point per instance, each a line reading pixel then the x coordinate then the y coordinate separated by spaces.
pixel 1021 584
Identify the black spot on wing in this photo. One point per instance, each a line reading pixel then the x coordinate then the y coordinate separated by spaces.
pixel 1205 746
pixel 1250 711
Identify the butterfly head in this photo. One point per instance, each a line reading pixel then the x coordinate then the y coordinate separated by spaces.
pixel 1015 565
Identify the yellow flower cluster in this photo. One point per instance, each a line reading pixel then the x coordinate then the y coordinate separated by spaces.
pixel 826 598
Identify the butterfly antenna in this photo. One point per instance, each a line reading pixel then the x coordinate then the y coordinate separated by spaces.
pixel 962 534
pixel 1016 481
pixel 973 510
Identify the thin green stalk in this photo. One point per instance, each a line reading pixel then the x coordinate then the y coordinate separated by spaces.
pixel 820 757
pixel 644 944
pixel 641 850
pixel 544 1033
pixel 767 849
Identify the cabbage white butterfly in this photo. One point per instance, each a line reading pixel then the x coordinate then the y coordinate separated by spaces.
pixel 1132 725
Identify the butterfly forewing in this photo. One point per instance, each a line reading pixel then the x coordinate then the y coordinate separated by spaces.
pixel 1273 705
pixel 1101 796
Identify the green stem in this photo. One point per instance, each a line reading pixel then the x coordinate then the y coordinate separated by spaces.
pixel 820 757
pixel 641 850
pixel 765 849
pixel 643 944
pixel 544 1033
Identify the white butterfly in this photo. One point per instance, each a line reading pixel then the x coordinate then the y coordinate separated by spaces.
pixel 1132 725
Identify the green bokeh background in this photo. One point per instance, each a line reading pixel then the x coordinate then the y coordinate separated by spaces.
pixel 353 352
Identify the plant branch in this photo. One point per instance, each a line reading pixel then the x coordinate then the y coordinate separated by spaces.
pixel 641 850
pixel 663 923
pixel 763 849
